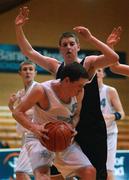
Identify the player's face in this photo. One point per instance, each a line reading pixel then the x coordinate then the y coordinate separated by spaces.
pixel 100 73
pixel 76 87
pixel 27 72
pixel 69 49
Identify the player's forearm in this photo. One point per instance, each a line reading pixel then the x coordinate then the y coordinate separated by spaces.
pixel 24 45
pixel 119 115
pixel 105 50
pixel 22 119
pixel 120 69
pixel 11 106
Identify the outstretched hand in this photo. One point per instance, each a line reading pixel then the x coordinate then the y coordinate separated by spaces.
pixel 22 17
pixel 83 31
pixel 114 37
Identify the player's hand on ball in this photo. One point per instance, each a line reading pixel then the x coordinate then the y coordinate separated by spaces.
pixel 40 131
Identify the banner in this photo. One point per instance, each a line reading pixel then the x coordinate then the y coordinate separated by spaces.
pixel 11 57
pixel 122 165
pixel 8 158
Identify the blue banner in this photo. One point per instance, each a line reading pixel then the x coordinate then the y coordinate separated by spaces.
pixel 11 56
pixel 122 165
pixel 8 158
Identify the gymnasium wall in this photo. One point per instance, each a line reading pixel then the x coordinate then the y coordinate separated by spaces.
pixel 48 19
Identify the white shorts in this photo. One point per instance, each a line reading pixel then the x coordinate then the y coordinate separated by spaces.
pixel 71 159
pixel 38 154
pixel 23 163
pixel 67 162
pixel 112 147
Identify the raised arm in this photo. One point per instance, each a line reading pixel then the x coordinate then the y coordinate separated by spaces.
pixel 112 40
pixel 108 56
pixel 48 63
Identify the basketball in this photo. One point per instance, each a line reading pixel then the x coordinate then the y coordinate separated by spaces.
pixel 60 135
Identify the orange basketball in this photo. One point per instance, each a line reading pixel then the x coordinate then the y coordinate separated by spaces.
pixel 60 135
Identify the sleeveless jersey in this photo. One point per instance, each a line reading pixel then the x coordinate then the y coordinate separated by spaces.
pixel 92 134
pixel 90 115
pixel 107 108
pixel 57 109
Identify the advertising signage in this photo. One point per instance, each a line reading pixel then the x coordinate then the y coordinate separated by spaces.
pixel 11 56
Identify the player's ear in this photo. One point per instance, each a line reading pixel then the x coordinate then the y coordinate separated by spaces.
pixel 19 72
pixel 66 79
pixel 78 45
pixel 35 73
pixel 104 73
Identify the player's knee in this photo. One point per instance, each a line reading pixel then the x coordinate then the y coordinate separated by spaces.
pixel 91 171
pixel 88 172
pixel 22 176
pixel 110 175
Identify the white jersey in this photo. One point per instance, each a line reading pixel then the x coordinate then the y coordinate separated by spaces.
pixel 57 110
pixel 20 95
pixel 72 158
pixel 107 108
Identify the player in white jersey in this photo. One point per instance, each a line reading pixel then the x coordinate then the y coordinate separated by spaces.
pixel 55 100
pixel 27 71
pixel 112 111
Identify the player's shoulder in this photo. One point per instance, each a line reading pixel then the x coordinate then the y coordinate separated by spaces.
pixel 111 90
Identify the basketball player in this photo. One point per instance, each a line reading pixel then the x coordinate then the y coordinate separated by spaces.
pixel 55 100
pixel 91 127
pixel 112 111
pixel 27 71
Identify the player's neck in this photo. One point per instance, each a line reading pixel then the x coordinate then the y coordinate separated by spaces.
pixel 28 84
pixel 60 93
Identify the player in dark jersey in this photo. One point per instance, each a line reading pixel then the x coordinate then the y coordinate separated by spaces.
pixel 91 127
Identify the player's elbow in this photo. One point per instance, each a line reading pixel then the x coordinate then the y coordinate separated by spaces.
pixel 115 58
pixel 113 69
pixel 16 114
pixel 122 115
pixel 28 52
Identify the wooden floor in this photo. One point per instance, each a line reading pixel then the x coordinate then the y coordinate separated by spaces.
pixel 8 130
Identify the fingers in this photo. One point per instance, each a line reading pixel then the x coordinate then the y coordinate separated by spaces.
pixel 24 13
pixel 117 31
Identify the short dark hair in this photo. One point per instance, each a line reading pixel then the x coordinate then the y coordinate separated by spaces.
pixel 68 35
pixel 74 71
pixel 26 62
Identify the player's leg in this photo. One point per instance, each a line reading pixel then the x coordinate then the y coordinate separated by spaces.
pixel 112 146
pixel 73 162
pixel 22 176
pixel 55 175
pixel 40 158
pixel 23 168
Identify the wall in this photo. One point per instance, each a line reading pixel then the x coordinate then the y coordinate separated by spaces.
pixel 48 19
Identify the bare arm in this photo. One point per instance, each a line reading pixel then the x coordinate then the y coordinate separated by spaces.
pixel 48 63
pixel 108 56
pixel 27 103
pixel 116 104
pixel 121 69
pixel 112 40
